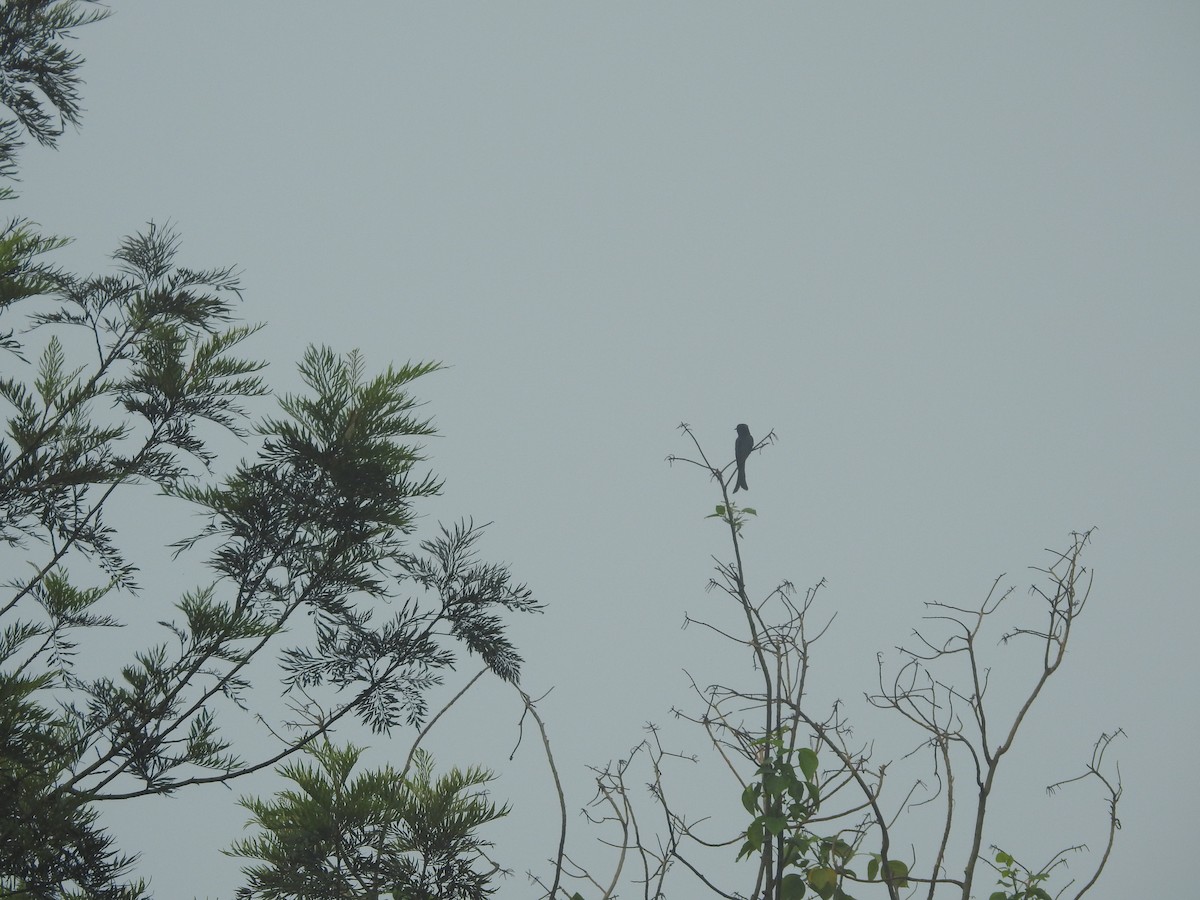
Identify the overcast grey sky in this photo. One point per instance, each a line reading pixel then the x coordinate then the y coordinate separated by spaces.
pixel 948 252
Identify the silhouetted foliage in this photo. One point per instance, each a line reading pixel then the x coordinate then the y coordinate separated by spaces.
pixel 48 838
pixel 118 389
pixel 41 79
pixel 408 835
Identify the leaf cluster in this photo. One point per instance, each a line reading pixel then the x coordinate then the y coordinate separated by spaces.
pixel 41 82
pixel 338 834
pixel 783 799
pixel 49 838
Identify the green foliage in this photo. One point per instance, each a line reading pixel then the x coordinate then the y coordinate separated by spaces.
pixel 40 87
pixel 48 838
pixel 119 388
pixel 783 799
pixel 732 515
pixel 897 868
pixel 310 537
pixel 340 835
pixel 1018 882
pixel 22 274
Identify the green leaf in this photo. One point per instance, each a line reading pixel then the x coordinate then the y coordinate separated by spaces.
pixel 800 812
pixel 775 824
pixel 822 878
pixel 792 887
pixel 899 872
pixel 774 784
pixel 807 760
pixel 750 798
pixel 755 834
pixel 873 868
pixel 801 842
pixel 1003 858
pixel 998 895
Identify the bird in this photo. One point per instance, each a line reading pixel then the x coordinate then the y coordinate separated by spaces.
pixel 741 449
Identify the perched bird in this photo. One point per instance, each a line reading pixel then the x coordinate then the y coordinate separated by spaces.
pixel 741 449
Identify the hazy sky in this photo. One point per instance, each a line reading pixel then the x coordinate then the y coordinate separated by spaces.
pixel 948 252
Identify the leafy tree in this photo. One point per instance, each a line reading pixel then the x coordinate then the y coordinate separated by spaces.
pixel 378 833
pixel 118 390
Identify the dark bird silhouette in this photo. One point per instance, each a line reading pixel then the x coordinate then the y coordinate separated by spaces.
pixel 741 450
